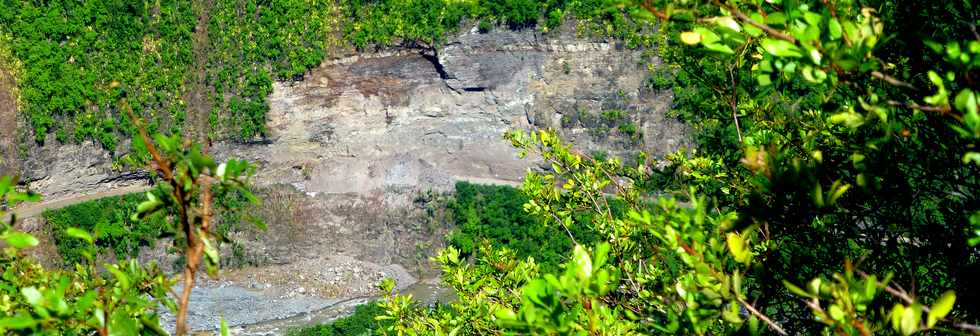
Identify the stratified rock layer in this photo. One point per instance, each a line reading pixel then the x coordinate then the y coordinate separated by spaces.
pixel 353 145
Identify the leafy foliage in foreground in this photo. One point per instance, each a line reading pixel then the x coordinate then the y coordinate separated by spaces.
pixel 121 299
pixel 83 300
pixel 110 222
pixel 833 190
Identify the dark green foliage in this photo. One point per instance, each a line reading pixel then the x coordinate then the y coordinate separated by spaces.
pixel 496 214
pixel 426 23
pixel 109 220
pixel 79 58
pixel 253 43
pixel 387 22
pixel 516 14
pixel 361 323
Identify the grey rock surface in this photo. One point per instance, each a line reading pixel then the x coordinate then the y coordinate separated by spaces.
pixel 353 146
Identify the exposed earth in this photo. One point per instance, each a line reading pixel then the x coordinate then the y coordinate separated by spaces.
pixel 363 145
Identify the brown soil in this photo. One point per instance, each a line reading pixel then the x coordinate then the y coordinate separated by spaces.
pixel 9 163
pixel 196 96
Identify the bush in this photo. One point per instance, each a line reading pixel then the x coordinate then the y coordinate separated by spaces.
pixel 109 220
pixel 361 323
pixel 496 214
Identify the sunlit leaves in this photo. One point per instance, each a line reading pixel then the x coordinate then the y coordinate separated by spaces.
pixel 706 38
pixel 19 239
pixel 781 48
pixel 940 308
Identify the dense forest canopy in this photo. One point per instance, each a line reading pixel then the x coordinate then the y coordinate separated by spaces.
pixel 833 188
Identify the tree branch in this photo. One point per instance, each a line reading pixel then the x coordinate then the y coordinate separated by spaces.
pixel 905 297
pixel 893 81
pixel 941 110
pixel 762 317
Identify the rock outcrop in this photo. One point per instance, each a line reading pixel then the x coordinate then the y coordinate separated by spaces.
pixel 363 136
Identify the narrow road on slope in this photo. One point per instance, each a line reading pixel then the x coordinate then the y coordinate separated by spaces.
pixel 488 180
pixel 29 210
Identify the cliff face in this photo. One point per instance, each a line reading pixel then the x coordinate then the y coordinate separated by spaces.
pixel 354 145
pixel 384 122
pixel 381 121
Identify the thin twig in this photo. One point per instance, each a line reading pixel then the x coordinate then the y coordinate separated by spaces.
pixel 769 30
pixel 942 110
pixel 762 317
pixel 893 81
pixel 905 297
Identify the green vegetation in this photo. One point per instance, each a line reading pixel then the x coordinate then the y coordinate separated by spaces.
pixel 426 23
pixel 495 215
pixel 110 222
pixel 251 44
pixel 78 59
pixel 123 298
pixel 361 323
pixel 832 190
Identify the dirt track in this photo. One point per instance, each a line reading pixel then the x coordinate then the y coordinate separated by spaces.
pixel 8 124
pixel 33 209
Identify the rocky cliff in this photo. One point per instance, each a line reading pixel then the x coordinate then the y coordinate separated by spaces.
pixel 356 142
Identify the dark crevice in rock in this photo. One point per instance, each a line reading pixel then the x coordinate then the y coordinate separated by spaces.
pixel 475 89
pixel 129 176
pixel 434 59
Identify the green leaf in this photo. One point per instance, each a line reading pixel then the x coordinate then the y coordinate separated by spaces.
pixel 776 18
pixel 752 30
pixel 80 234
pixel 224 327
pixel 122 324
pixel 719 48
pixel 690 38
pixel 121 277
pixel 910 319
pixel 582 262
pixel 20 240
pixel 966 101
pixel 836 313
pixel 731 314
pixel 738 247
pixel 763 80
pixel 797 290
pixel 32 295
pixel 707 36
pixel 728 22
pixel 835 29
pixel 781 48
pixel 896 316
pixel 941 308
pixel 971 157
pixel 17 322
